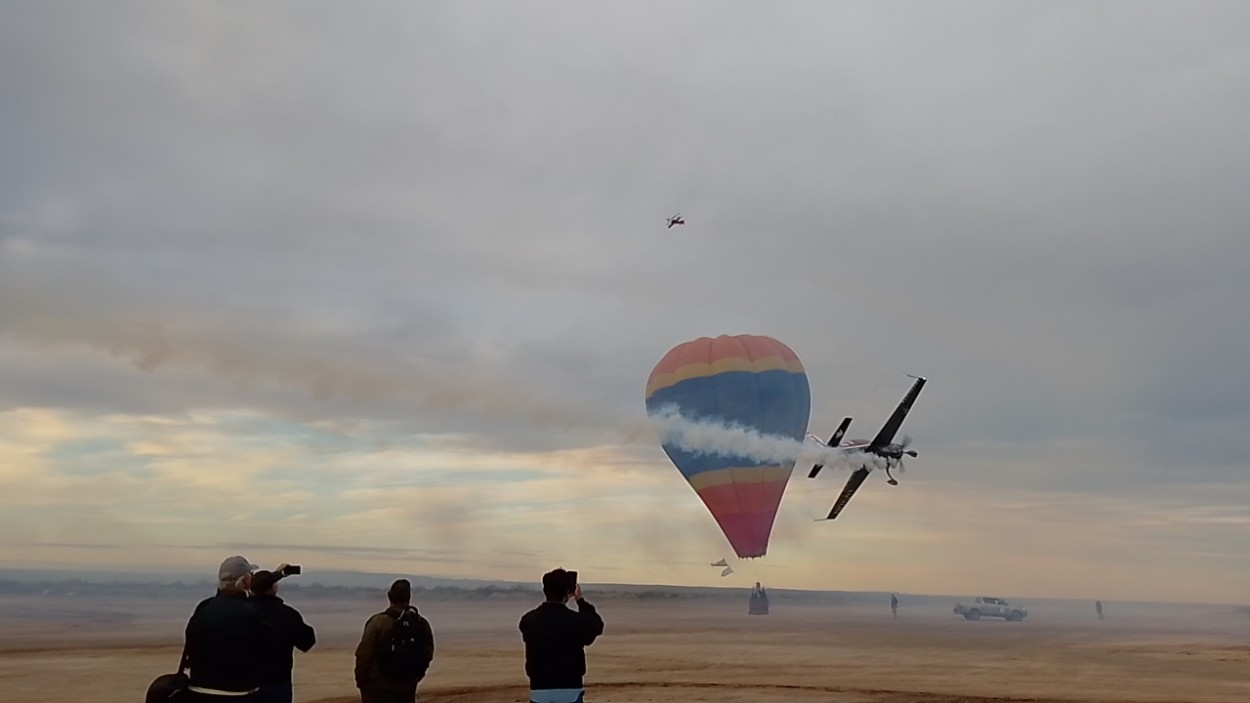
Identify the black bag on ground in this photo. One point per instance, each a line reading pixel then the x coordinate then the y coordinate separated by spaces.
pixel 171 687
pixel 168 687
pixel 403 655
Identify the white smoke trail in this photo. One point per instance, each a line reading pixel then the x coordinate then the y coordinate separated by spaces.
pixel 731 439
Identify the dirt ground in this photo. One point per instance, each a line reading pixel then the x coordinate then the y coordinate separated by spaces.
pixel 64 651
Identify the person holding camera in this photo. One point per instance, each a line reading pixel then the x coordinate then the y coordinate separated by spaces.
pixel 556 638
pixel 395 650
pixel 287 632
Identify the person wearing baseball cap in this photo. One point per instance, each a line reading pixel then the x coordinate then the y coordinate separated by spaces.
pixel 225 640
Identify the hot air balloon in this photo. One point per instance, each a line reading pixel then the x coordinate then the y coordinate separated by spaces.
pixel 748 382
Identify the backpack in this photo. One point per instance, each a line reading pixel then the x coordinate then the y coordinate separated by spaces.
pixel 403 654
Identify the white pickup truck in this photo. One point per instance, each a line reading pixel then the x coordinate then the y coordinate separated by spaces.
pixel 985 607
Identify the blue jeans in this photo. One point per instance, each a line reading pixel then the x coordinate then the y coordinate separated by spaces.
pixel 371 694
pixel 275 693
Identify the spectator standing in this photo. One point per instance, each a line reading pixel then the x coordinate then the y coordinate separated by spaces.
pixel 395 650
pixel 225 640
pixel 556 638
pixel 287 632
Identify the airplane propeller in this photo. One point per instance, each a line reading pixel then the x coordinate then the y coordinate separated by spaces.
pixel 904 444
pixel 902 451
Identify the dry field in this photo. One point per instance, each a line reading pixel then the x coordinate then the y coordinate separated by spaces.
pixel 63 650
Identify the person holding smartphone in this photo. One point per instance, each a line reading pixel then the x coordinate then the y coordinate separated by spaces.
pixel 287 632
pixel 556 638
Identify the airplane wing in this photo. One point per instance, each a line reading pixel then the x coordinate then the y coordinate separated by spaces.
pixel 852 484
pixel 890 428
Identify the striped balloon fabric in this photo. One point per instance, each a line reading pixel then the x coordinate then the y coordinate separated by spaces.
pixel 745 381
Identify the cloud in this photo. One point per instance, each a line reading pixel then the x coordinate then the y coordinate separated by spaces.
pixel 272 259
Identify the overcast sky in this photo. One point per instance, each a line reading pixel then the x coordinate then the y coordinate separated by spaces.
pixel 378 285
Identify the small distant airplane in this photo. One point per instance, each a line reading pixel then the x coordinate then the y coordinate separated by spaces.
pixel 882 446
pixel 675 220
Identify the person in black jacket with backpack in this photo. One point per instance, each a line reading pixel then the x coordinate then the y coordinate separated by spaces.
pixel 287 631
pixel 395 650
pixel 556 639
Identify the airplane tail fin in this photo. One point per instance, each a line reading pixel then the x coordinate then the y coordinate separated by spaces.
pixel 834 441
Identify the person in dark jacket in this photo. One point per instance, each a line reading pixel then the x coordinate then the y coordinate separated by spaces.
pixel 225 640
pixel 556 638
pixel 287 632
pixel 383 677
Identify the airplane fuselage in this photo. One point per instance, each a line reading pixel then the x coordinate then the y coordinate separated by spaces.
pixel 891 452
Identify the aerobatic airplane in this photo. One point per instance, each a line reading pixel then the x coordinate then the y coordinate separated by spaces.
pixel 675 220
pixel 882 446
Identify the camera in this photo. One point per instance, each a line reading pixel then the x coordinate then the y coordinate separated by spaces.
pixel 264 581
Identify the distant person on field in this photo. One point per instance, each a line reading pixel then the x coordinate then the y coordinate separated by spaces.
pixel 1098 607
pixel 894 605
pixel 395 650
pixel 556 638
pixel 226 640
pixel 287 631
pixel 759 600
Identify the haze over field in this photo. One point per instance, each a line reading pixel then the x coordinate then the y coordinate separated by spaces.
pixel 677 651
pixel 378 288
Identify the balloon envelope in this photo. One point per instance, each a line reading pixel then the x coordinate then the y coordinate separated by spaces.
pixel 753 382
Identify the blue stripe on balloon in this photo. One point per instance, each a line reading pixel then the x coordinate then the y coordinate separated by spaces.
pixel 775 402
